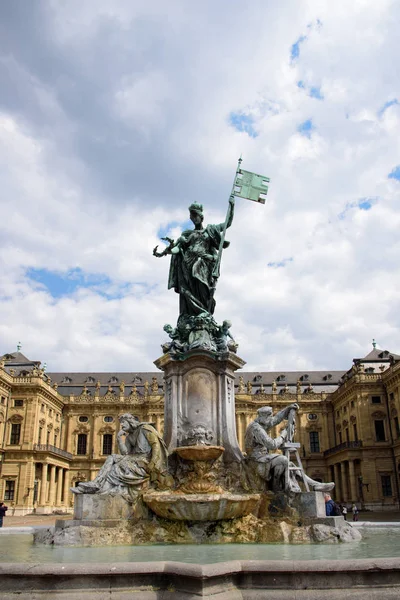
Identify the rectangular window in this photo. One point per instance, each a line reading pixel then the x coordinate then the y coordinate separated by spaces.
pixel 3 400
pixel 48 438
pixel 391 396
pixel 40 435
pixel 375 399
pixel 9 492
pixel 347 434
pixel 397 427
pixel 55 440
pixel 314 441
pixel 82 444
pixel 352 404
pixel 18 402
pixel 355 434
pixel 386 486
pixel 107 443
pixel 42 408
pixel 15 433
pixel 380 431
pixel 340 438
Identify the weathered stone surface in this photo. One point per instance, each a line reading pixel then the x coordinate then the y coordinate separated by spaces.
pixel 310 504
pixel 333 535
pixel 97 507
pixel 371 579
pixel 200 507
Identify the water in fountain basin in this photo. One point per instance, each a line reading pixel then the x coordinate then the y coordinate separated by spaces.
pixel 383 543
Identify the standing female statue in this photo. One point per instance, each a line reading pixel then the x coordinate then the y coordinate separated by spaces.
pixel 193 259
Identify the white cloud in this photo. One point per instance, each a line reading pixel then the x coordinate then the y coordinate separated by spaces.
pixel 117 117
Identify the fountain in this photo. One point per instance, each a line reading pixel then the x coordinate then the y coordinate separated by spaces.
pixel 194 485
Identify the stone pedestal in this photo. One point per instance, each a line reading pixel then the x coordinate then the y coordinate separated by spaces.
pixel 310 504
pixel 199 391
pixel 95 507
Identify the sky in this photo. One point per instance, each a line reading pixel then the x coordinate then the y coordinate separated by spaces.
pixel 115 115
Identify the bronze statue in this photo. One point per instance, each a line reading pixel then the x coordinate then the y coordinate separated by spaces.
pixel 193 259
pixel 143 461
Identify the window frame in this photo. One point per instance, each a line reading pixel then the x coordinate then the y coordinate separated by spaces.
pixel 81 443
pixel 109 438
pixel 15 434
pixel 9 490
pixel 315 444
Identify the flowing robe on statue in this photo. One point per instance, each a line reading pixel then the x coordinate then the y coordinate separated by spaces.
pixel 191 269
pixel 125 474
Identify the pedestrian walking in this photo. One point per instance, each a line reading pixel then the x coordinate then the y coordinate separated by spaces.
pixel 3 510
pixel 355 512
pixel 344 512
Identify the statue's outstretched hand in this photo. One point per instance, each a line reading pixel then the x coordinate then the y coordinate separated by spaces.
pixel 284 434
pixel 295 406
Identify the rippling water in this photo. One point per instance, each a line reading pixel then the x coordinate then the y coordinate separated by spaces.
pixel 375 544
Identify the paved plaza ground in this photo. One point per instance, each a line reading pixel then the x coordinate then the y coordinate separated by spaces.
pixel 34 520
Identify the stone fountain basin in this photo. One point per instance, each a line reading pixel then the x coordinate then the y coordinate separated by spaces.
pixel 200 452
pixel 200 507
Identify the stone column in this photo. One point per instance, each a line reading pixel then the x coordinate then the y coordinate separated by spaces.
pixel 158 423
pixel 59 486
pixel 353 486
pixel 43 485
pixel 345 492
pixel 239 430
pixel 66 487
pixel 338 491
pixel 52 492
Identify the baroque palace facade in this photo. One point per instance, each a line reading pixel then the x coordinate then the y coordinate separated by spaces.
pixel 56 429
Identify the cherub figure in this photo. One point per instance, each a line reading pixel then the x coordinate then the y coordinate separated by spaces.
pixel 175 344
pixel 222 334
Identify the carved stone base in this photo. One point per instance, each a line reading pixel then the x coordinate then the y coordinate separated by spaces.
pixel 90 507
pixel 199 393
pixel 310 504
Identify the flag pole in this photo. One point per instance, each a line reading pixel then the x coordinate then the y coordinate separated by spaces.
pixel 217 266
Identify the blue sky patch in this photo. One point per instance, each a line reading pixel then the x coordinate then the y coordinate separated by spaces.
pixel 361 204
pixel 395 173
pixel 365 204
pixel 281 263
pixel 244 123
pixel 65 284
pixel 306 128
pixel 313 91
pixel 295 49
pixel 386 106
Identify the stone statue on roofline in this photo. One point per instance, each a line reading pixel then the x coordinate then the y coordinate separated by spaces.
pixel 143 462
pixel 267 470
pixel 193 274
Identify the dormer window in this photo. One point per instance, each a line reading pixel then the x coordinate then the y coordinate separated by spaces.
pixel 113 380
pixel 257 378
pixel 137 379
pixel 304 377
pixel 90 380
pixel 281 378
pixel 370 370
pixel 327 377
pixel 67 380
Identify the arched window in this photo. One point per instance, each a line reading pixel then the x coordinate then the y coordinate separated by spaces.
pixel 107 443
pixel 108 419
pixel 82 444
